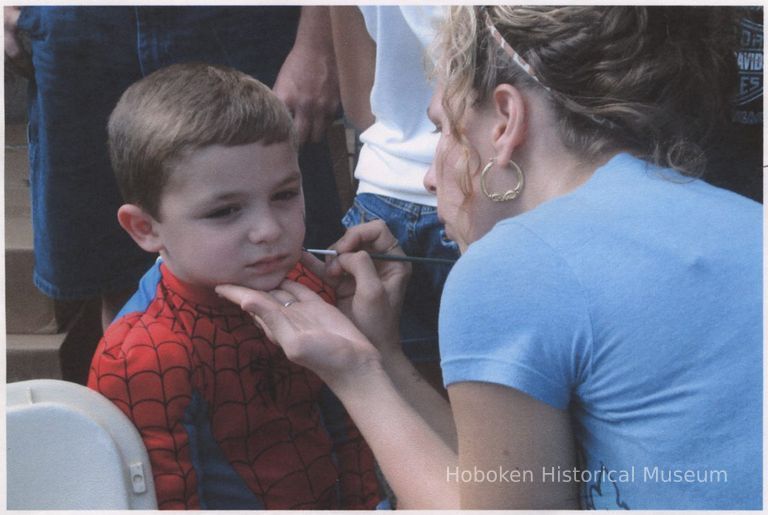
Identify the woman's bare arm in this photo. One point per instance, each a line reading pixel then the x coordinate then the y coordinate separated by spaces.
pixel 502 430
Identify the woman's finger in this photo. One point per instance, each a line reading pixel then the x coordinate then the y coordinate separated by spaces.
pixel 262 306
pixel 298 291
pixel 264 327
pixel 283 297
pixel 250 300
pixel 360 266
pixel 371 236
pixel 316 266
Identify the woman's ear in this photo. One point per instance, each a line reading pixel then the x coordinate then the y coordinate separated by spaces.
pixel 141 226
pixel 510 128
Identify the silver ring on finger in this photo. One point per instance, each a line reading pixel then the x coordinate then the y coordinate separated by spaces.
pixel 289 303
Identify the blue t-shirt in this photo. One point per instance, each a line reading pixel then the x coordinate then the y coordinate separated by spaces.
pixel 634 302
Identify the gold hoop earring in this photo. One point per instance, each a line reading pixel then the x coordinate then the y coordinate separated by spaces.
pixel 509 194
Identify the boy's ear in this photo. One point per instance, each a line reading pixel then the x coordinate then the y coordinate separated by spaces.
pixel 510 126
pixel 141 226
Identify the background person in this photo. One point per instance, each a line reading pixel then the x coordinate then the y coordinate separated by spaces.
pixel 381 55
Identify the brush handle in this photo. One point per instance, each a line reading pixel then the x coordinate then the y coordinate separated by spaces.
pixel 390 257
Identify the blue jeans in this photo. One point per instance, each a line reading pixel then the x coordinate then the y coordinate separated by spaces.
pixel 84 58
pixel 420 233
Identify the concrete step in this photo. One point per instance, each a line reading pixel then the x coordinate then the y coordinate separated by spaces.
pixel 33 356
pixel 44 338
pixel 63 355
pixel 16 88
pixel 17 202
pixel 28 311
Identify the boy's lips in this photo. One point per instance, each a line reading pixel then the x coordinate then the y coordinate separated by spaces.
pixel 268 264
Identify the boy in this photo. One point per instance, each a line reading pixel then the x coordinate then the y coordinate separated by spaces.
pixel 205 157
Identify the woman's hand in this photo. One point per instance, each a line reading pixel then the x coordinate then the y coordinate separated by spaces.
pixel 317 335
pixel 311 332
pixel 369 292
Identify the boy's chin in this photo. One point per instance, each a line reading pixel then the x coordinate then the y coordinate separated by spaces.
pixel 264 283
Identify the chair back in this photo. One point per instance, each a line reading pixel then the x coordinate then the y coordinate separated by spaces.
pixel 70 448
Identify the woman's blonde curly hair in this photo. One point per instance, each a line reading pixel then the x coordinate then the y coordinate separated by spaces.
pixel 651 80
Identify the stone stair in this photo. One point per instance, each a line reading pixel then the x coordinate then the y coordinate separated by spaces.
pixel 43 338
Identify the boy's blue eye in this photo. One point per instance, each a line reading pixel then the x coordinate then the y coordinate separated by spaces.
pixel 223 212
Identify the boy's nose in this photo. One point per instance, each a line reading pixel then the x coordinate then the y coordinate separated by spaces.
pixel 264 228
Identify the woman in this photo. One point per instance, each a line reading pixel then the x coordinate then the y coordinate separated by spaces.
pixel 601 334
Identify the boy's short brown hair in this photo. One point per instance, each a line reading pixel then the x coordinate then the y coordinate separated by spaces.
pixel 182 108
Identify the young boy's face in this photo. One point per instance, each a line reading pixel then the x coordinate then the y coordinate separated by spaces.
pixel 233 215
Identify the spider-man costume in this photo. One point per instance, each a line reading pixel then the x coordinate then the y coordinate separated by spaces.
pixel 228 421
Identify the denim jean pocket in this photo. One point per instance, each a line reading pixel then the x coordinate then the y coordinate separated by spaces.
pixel 28 22
pixel 358 214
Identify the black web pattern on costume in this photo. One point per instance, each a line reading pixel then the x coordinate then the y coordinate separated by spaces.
pixel 262 408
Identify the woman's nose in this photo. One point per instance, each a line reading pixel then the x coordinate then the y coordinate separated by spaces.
pixel 429 179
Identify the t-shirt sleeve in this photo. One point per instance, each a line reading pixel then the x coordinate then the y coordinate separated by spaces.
pixel 146 369
pixel 514 314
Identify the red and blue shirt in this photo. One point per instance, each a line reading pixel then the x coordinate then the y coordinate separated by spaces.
pixel 227 420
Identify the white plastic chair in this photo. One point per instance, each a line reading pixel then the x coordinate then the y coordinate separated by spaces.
pixel 70 448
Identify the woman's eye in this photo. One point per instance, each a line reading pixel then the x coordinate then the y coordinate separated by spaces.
pixel 223 212
pixel 286 195
pixel 437 130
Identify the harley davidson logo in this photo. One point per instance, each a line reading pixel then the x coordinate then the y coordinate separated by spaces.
pixel 750 61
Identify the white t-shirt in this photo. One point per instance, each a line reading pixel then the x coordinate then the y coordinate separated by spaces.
pixel 398 148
